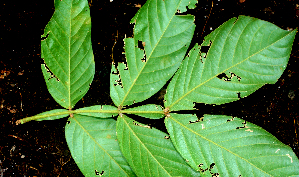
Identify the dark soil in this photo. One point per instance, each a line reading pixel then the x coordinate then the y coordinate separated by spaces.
pixel 39 148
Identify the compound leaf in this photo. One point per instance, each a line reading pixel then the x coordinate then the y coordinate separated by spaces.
pixel 67 52
pixel 243 55
pixel 165 38
pixel 150 151
pixel 94 146
pixel 217 144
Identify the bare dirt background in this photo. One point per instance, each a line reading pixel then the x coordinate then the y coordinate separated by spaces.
pixel 39 148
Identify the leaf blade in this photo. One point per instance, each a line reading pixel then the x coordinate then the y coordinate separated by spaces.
pixel 67 52
pixel 94 147
pixel 234 147
pixel 165 37
pixel 231 69
pixel 147 149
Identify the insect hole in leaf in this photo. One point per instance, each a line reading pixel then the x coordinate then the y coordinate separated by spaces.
pixel 52 75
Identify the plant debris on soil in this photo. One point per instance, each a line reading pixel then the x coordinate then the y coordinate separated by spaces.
pixel 40 149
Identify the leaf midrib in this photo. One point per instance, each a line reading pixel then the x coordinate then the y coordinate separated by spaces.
pixel 69 69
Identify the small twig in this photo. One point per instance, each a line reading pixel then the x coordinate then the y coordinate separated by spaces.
pixel 62 164
pixel 21 101
pixel 206 21
pixel 14 136
pixel 296 135
pixel 293 54
pixel 115 41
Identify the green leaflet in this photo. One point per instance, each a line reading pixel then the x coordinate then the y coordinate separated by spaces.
pixel 67 52
pixel 102 111
pixel 94 147
pixel 150 151
pixel 231 146
pixel 248 53
pixel 165 37
pixel 151 111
